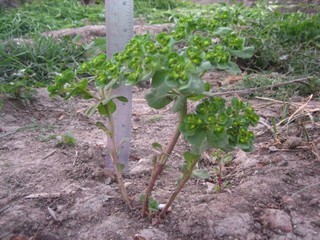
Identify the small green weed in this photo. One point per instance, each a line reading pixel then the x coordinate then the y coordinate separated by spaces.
pixel 66 139
pixel 1 104
pixel 220 159
pixel 153 205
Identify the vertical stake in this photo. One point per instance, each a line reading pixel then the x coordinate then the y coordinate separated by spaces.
pixel 119 31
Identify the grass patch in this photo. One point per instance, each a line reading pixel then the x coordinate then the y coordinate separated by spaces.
pixel 284 92
pixel 288 43
pixel 285 42
pixel 144 6
pixel 39 16
pixel 35 63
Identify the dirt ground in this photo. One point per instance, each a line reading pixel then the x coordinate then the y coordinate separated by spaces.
pixel 50 192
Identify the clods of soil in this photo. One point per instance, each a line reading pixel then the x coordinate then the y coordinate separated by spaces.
pixel 52 191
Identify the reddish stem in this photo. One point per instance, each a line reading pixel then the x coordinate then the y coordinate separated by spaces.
pixel 115 160
pixel 220 177
pixel 182 182
pixel 161 161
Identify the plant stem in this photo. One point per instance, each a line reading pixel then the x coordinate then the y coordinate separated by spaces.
pixel 114 158
pixel 220 177
pixel 182 182
pixel 161 161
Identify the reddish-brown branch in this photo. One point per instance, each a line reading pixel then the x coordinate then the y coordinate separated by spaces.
pixel 114 157
pixel 181 184
pixel 161 161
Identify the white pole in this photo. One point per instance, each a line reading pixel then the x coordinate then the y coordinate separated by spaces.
pixel 119 31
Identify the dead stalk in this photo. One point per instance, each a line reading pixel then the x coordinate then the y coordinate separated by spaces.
pixel 250 90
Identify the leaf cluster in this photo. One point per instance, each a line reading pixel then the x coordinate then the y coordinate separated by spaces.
pixel 217 125
pixel 175 61
pixel 286 42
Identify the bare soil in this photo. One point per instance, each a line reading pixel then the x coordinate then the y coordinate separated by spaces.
pixel 51 192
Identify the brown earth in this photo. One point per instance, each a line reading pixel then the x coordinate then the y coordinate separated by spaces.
pixel 51 192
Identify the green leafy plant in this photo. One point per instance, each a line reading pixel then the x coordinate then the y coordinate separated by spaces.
pixel 284 42
pixel 66 139
pixel 221 158
pixel 153 205
pixel 175 61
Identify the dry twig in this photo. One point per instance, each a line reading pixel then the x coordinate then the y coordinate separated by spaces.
pixel 250 90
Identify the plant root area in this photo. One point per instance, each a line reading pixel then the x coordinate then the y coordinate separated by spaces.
pixel 50 191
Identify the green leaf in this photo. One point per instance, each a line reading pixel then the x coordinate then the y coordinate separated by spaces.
pixel 217 139
pixel 201 148
pixel 92 110
pixel 195 86
pixel 111 106
pixel 197 97
pixel 205 66
pixel 179 104
pixel 158 78
pixel 190 159
pixel 233 68
pixel 122 99
pixel 120 167
pixel 245 147
pixel 201 173
pixel 158 102
pixel 157 146
pixel 107 109
pixel 66 77
pixel 158 97
pixel 101 126
pixel 80 89
pixel 247 52
pixel 102 109
pixel 197 138
pixel 153 204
